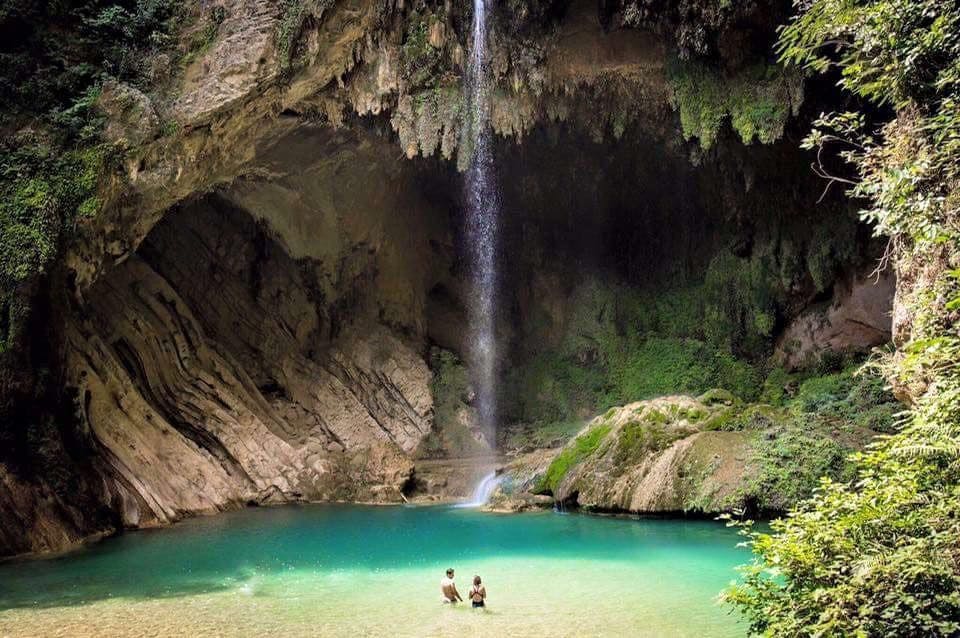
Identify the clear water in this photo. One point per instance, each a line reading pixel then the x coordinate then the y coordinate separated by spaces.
pixel 375 571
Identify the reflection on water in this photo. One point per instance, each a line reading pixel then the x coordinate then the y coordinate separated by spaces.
pixel 352 570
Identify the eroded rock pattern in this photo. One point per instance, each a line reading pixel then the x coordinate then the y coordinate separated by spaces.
pixel 660 456
pixel 857 318
pixel 213 369
pixel 249 318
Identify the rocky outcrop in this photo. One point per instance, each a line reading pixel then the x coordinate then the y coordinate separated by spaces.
pixel 855 320
pixel 702 472
pixel 519 479
pixel 654 456
pixel 249 317
pixel 702 455
pixel 213 369
pixel 43 516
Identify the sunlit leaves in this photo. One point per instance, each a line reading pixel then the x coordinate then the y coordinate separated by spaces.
pixel 879 556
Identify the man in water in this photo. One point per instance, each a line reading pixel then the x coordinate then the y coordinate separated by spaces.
pixel 449 588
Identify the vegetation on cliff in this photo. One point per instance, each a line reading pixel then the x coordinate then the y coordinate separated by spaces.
pixel 777 457
pixel 625 343
pixel 703 27
pixel 877 556
pixel 54 60
pixel 55 57
pixel 757 100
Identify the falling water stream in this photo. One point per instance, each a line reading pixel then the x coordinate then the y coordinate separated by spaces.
pixel 352 570
pixel 481 228
pixel 483 491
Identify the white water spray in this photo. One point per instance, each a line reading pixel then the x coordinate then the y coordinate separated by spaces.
pixel 481 228
pixel 483 491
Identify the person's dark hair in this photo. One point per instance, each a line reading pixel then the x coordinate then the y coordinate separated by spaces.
pixel 450 572
pixel 476 580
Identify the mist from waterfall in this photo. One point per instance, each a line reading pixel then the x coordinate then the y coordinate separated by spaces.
pixel 483 491
pixel 481 228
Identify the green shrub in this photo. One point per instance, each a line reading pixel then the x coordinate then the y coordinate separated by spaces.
pixel 646 368
pixel 812 433
pixel 422 63
pixel 776 386
pixel 877 556
pixel 789 459
pixel 818 392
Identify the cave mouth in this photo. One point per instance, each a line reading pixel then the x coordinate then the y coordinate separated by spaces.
pixel 318 314
pixel 298 334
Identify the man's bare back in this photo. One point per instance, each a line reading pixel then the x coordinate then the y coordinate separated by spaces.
pixel 449 589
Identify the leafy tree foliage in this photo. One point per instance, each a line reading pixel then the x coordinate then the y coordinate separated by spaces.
pixel 880 555
pixel 53 58
pixel 54 54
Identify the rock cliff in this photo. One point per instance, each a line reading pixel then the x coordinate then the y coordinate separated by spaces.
pixel 705 455
pixel 263 308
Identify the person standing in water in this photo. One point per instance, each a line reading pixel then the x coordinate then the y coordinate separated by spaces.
pixel 478 593
pixel 449 588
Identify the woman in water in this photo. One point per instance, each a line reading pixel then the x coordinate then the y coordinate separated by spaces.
pixel 478 593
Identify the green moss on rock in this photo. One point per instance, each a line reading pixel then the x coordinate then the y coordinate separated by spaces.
pixel 637 439
pixel 757 100
pixel 450 387
pixel 423 63
pixel 716 452
pixel 576 451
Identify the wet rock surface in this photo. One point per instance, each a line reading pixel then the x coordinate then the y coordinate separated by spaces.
pixel 858 318
pixel 251 317
pixel 679 455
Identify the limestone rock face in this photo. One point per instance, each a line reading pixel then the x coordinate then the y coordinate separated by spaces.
pixel 659 456
pixel 43 517
pixel 857 318
pixel 704 468
pixel 212 379
pixel 214 369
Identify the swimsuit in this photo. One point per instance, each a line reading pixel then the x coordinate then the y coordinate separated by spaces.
pixel 477 603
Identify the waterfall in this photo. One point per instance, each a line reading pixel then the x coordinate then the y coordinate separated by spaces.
pixel 482 201
pixel 483 491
